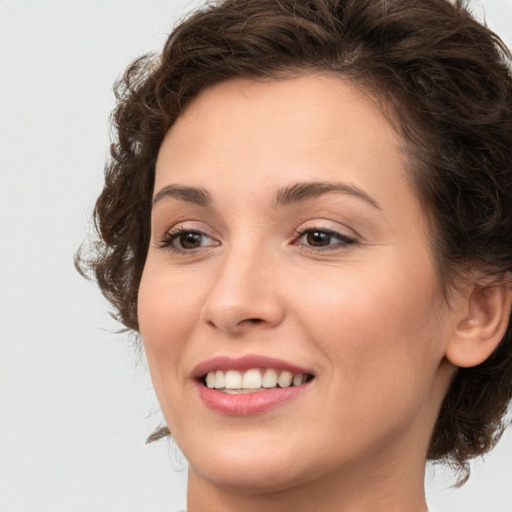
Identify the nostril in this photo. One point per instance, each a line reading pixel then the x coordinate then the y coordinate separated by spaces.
pixel 245 321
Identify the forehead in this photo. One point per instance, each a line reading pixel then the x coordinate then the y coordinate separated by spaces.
pixel 297 102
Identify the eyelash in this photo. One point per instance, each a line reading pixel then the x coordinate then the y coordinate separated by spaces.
pixel 343 240
pixel 170 237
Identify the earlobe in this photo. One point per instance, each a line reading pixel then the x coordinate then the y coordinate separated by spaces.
pixel 483 325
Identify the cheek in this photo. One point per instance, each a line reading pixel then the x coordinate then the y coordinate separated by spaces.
pixel 379 330
pixel 167 311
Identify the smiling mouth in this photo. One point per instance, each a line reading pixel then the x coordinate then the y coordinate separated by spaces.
pixel 253 380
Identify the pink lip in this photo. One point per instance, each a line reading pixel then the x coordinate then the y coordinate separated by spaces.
pixel 244 363
pixel 246 404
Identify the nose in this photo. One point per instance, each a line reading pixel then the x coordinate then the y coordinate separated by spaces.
pixel 244 294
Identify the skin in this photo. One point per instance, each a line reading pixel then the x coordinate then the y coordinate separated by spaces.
pixel 367 317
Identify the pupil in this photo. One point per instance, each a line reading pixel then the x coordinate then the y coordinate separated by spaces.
pixel 190 240
pixel 318 238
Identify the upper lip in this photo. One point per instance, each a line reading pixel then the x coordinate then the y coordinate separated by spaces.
pixel 244 363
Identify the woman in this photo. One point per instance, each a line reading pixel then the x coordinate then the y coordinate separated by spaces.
pixel 307 218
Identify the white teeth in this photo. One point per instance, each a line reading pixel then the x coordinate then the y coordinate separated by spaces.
pixel 269 378
pixel 220 380
pixel 210 380
pixel 251 379
pixel 285 379
pixel 233 381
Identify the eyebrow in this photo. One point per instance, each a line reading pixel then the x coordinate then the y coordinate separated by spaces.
pixel 292 194
pixel 309 190
pixel 193 195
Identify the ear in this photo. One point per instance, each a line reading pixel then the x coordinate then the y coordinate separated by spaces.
pixel 482 325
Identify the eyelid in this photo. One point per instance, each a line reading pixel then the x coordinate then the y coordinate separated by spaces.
pixel 185 225
pixel 327 225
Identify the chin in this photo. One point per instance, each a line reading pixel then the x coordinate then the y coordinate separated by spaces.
pixel 252 464
pixel 251 476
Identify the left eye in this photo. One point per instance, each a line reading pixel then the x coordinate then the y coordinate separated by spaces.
pixel 186 240
pixel 322 238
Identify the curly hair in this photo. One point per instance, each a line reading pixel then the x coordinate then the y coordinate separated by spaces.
pixel 442 78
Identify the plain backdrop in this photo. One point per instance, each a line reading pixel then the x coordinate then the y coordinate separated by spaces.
pixel 75 397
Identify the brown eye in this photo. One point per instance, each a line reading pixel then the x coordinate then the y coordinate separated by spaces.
pixel 323 239
pixel 318 238
pixel 184 240
pixel 189 240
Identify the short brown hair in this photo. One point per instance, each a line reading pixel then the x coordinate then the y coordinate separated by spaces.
pixel 442 75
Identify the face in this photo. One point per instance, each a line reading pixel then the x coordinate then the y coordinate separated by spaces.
pixel 287 245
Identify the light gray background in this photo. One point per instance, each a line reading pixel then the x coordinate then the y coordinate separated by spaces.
pixel 75 398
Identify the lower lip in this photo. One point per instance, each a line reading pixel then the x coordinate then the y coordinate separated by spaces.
pixel 247 404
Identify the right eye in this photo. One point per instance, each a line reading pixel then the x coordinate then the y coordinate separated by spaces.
pixel 184 240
